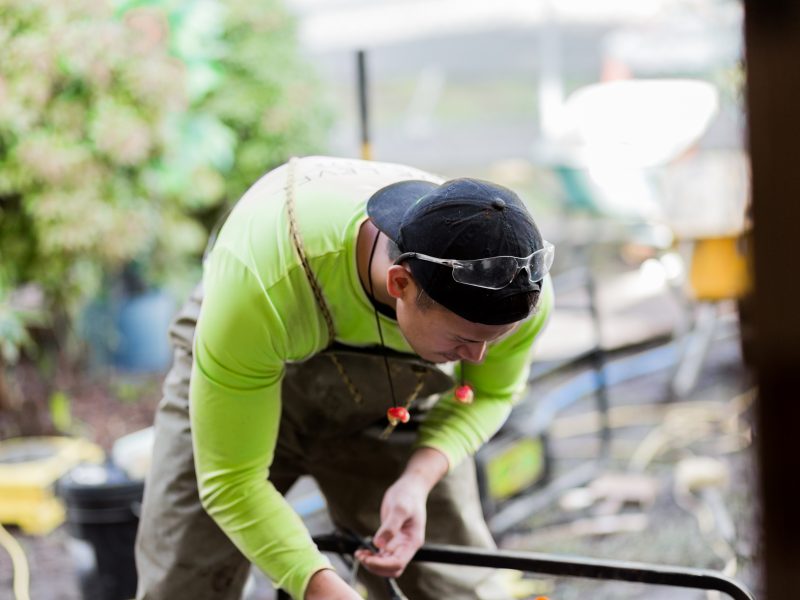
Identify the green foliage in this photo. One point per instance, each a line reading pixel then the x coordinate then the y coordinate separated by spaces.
pixel 254 102
pixel 15 320
pixel 61 411
pixel 126 127
pixel 84 100
pixel 267 95
pixel 131 389
pixel 13 333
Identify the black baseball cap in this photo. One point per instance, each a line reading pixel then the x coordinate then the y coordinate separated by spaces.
pixel 461 219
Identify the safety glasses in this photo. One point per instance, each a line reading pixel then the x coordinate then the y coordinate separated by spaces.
pixel 496 272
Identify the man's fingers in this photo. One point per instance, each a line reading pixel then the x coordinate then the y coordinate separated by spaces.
pixel 387 563
pixel 387 531
pixel 382 565
pixel 383 538
pixel 402 546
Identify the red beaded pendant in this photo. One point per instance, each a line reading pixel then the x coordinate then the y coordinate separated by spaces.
pixel 398 414
pixel 464 394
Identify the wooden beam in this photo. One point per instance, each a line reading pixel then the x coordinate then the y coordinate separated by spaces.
pixel 772 37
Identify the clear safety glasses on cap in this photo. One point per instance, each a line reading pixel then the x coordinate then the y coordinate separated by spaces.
pixel 496 272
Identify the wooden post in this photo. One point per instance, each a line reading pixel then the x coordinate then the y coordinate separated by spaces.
pixel 772 36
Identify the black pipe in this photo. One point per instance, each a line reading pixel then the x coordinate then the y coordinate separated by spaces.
pixel 549 564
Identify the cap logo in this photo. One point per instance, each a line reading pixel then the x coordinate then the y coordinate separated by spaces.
pixel 498 203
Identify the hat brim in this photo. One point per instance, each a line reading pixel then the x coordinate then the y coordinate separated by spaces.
pixel 388 205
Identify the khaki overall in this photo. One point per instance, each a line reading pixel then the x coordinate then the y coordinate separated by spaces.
pixel 333 413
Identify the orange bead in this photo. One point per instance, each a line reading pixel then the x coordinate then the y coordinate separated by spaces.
pixel 398 414
pixel 464 394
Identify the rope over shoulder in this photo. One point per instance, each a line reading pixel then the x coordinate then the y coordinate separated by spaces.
pixel 294 231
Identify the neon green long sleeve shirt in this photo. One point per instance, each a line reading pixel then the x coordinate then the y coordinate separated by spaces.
pixel 259 313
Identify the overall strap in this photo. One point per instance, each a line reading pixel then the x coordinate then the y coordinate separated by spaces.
pixel 294 231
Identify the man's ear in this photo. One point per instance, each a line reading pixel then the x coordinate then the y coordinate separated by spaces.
pixel 399 282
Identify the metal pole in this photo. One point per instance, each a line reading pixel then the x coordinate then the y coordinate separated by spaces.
pixel 363 104
pixel 548 564
pixel 598 360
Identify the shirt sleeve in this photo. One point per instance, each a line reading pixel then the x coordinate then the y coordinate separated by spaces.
pixel 235 415
pixel 458 430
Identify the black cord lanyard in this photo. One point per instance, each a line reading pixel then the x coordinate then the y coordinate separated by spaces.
pixel 378 320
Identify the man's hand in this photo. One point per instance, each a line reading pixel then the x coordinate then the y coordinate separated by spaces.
pixel 327 585
pixel 402 529
pixel 403 515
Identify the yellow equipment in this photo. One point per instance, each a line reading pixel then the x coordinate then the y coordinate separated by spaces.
pixel 718 269
pixel 29 469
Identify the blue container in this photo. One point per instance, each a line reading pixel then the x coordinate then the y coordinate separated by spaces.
pixel 142 322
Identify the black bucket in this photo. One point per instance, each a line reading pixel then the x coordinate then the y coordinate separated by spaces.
pixel 102 516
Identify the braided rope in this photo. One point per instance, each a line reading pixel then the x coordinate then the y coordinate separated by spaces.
pixel 312 280
pixel 357 397
pixel 413 396
pixel 298 244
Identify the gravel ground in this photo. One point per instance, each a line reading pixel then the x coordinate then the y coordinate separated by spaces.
pixel 667 531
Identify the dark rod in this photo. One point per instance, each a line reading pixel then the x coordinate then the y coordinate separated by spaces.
pixel 548 564
pixel 363 104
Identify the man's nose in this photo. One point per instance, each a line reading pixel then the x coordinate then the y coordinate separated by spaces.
pixel 473 352
pixel 524 278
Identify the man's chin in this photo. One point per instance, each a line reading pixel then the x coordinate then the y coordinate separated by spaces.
pixel 434 357
pixel 442 359
pixel 438 358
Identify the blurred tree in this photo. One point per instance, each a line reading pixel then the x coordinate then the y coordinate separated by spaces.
pixel 83 107
pixel 253 100
pixel 125 129
pixel 266 94
pixel 17 314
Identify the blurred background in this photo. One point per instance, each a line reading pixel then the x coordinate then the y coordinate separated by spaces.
pixel 128 128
